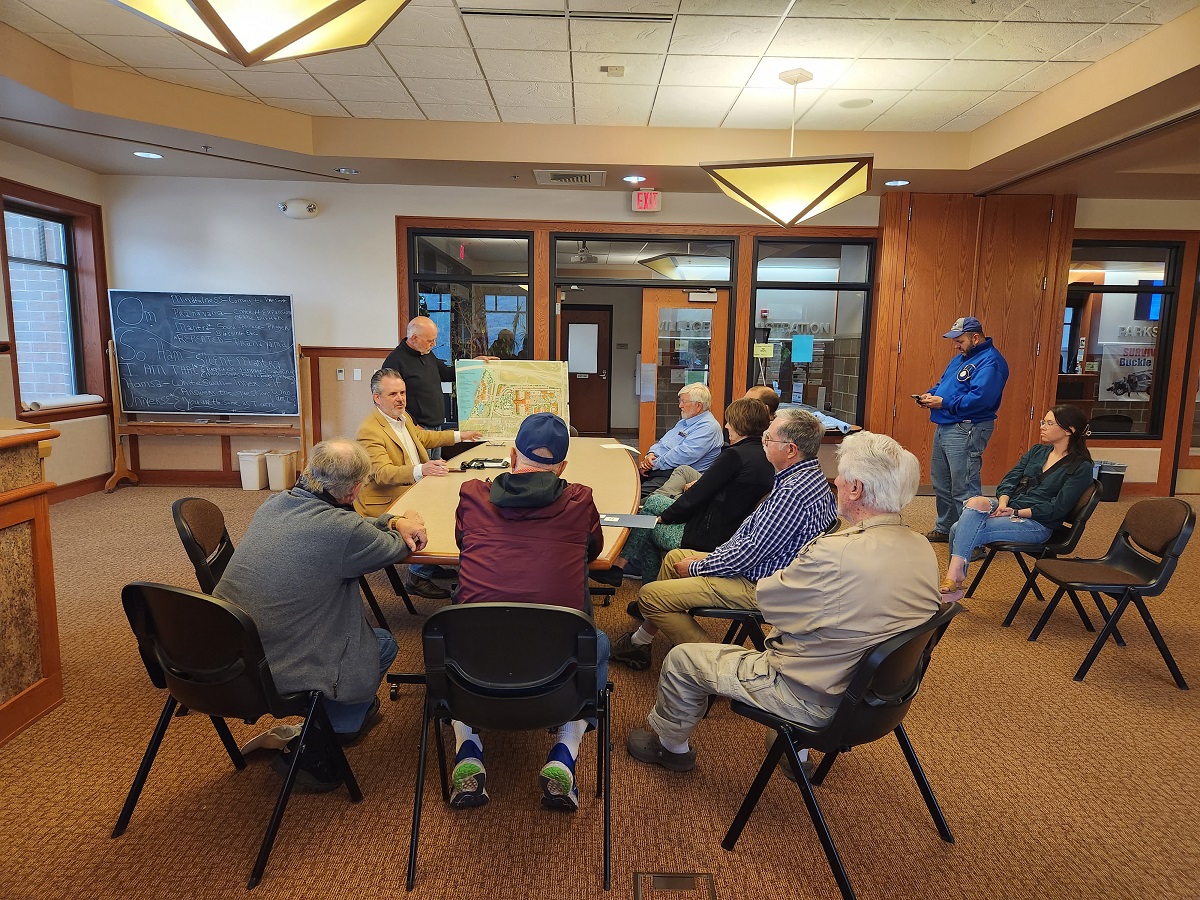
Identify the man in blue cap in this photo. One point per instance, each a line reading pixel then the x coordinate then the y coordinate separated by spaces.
pixel 527 537
pixel 963 406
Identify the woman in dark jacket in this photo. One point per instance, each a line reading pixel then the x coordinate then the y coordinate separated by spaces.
pixel 711 508
pixel 1032 500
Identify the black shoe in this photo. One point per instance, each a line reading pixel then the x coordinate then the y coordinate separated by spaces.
pixel 624 650
pixel 635 611
pixel 423 587
pixel 373 718
pixel 611 576
pixel 316 771
pixel 444 573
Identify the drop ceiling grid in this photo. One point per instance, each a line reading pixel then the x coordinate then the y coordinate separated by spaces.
pixel 923 64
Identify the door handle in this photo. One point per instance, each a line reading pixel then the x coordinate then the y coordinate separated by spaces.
pixel 604 374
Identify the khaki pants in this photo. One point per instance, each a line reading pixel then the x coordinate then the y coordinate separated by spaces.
pixel 691 672
pixel 665 602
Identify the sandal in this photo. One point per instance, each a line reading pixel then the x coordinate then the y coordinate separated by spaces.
pixel 950 586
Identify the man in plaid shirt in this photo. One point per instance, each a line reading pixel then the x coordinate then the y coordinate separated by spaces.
pixel 799 507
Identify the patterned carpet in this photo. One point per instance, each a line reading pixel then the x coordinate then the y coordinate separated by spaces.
pixel 1053 789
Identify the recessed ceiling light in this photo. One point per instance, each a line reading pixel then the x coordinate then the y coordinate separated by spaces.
pixel 634 179
pixel 345 170
pixel 856 103
pixel 899 182
pixel 146 154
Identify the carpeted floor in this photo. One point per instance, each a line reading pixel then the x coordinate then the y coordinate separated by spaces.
pixel 1053 789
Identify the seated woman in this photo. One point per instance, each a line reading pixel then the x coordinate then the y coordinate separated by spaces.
pixel 711 506
pixel 1032 500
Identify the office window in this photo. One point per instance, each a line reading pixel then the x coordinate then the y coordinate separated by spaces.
pixel 601 257
pixel 1117 333
pixel 44 301
pixel 811 303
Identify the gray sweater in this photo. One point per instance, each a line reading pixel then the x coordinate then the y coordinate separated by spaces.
pixel 296 573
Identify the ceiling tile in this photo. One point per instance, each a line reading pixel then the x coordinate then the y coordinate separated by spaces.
pixel 897 121
pixel 733 7
pixel 365 61
pixel 894 74
pixel 1000 103
pixel 1162 11
pixel 824 71
pixel 525 65
pixel 825 37
pixel 977 75
pixel 454 113
pixel 433 62
pixel 692 107
pixel 1047 75
pixel 97 17
pixel 327 108
pixel 230 65
pixel 74 47
pixel 1027 40
pixel 1109 39
pixel 26 20
pixel 518 33
pixel 1100 11
pixel 425 26
pixel 280 85
pixel 365 88
pixel 716 71
pixel 445 92
pixel 542 5
pixel 936 103
pixel 828 113
pixel 528 94
pixel 966 123
pixel 620 114
pixel 613 104
pixel 213 80
pixel 373 110
pixel 639 68
pixel 164 52
pixel 537 115
pixel 926 40
pixel 724 35
pixel 847 9
pixel 620 37
pixel 657 7
pixel 767 108
pixel 974 11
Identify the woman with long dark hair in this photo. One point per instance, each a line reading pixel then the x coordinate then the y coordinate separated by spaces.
pixel 1031 501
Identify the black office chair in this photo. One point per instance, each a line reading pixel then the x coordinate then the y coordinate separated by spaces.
pixel 201 527
pixel 1138 564
pixel 1062 541
pixel 875 703
pixel 206 653
pixel 512 667
pixel 1116 423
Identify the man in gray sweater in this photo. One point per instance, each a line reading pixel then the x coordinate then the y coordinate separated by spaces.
pixel 296 573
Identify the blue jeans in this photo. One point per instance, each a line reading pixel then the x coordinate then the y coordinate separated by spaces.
pixel 975 528
pixel 349 717
pixel 954 470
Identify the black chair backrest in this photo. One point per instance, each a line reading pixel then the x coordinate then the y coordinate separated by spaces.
pixel 513 667
pixel 205 651
pixel 885 683
pixel 1114 423
pixel 201 527
pixel 1066 536
pixel 1151 539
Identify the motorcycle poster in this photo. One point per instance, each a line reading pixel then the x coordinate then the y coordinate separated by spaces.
pixel 1127 372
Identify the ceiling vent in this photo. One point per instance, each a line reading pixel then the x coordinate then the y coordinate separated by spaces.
pixel 570 177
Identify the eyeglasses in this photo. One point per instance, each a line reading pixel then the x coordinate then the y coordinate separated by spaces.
pixel 1046 423
pixel 771 440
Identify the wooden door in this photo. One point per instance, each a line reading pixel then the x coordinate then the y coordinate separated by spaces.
pixel 587 348
pixel 684 340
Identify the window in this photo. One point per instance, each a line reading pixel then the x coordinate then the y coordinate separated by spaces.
pixel 811 301
pixel 1116 334
pixel 44 301
pixel 583 258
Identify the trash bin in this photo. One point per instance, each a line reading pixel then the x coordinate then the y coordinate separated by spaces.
pixel 253 464
pixel 1111 476
pixel 281 469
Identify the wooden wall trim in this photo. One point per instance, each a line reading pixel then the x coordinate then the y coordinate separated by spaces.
pixel 197 477
pixel 885 313
pixel 75 489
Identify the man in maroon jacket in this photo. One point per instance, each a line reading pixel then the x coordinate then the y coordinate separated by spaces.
pixel 527 537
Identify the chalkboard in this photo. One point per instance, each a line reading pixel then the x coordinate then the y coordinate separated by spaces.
pixel 229 354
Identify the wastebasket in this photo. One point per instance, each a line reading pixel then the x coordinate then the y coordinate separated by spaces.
pixel 281 469
pixel 1111 476
pixel 253 464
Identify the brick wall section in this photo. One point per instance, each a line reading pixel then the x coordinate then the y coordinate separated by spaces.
pixel 41 323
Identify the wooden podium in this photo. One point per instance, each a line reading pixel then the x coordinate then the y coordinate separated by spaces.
pixel 30 672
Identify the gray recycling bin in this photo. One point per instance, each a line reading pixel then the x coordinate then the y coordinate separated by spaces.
pixel 1111 476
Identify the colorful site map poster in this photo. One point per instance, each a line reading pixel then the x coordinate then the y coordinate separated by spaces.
pixel 495 395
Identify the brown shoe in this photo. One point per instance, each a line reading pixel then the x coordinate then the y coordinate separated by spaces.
pixel 624 650
pixel 643 745
pixel 937 537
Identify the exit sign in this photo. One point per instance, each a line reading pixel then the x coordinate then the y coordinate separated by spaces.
pixel 646 201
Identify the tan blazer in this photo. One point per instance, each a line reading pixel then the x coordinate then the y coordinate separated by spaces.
pixel 391 469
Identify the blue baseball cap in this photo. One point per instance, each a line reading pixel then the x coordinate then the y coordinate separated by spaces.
pixel 964 326
pixel 546 432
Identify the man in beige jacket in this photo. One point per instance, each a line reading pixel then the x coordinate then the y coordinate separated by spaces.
pixel 398 449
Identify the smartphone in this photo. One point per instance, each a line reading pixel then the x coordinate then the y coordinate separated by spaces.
pixel 916 397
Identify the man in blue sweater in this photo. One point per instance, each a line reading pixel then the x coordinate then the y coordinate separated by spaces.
pixel 963 407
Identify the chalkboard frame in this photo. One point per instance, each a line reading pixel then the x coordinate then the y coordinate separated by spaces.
pixel 132 311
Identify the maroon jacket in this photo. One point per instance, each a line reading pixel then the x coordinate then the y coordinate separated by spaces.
pixel 526 538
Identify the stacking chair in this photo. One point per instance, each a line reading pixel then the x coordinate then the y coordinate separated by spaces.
pixel 206 653
pixel 875 703
pixel 1062 541
pixel 1138 564
pixel 201 527
pixel 512 667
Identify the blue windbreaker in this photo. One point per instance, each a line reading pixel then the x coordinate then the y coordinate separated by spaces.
pixel 971 386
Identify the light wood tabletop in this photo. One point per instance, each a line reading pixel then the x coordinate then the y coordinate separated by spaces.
pixel 610 473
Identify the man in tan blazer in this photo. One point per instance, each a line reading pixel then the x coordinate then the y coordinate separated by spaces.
pixel 399 459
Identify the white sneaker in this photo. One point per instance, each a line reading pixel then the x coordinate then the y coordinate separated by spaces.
pixel 275 739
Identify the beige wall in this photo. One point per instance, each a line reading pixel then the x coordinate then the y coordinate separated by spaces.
pixel 1176 215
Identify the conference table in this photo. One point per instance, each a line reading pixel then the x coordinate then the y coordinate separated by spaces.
pixel 608 468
